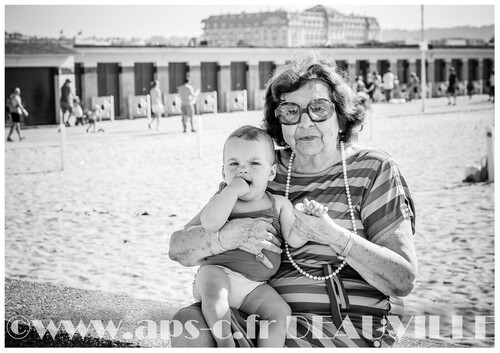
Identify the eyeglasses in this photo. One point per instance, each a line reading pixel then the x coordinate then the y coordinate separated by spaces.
pixel 318 110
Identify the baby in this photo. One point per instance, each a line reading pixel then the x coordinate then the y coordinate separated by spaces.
pixel 94 115
pixel 237 278
pixel 78 111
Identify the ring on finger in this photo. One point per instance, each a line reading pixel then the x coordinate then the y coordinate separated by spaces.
pixel 259 257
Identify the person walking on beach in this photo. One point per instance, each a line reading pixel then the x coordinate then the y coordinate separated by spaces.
pixel 78 111
pixel 452 86
pixel 66 102
pixel 188 99
pixel 470 89
pixel 157 107
pixel 414 87
pixel 388 81
pixel 16 109
pixel 237 278
pixel 93 115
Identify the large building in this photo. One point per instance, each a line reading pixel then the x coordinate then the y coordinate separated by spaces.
pixel 318 26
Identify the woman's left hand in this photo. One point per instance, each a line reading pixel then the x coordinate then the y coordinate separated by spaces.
pixel 322 230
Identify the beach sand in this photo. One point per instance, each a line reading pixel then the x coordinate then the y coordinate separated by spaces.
pixel 104 223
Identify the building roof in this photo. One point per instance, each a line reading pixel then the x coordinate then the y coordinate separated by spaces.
pixel 326 10
pixel 245 19
pixel 27 47
pixel 331 13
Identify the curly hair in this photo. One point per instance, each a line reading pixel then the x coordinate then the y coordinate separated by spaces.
pixel 309 68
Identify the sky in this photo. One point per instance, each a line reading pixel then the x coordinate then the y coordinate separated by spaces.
pixel 128 19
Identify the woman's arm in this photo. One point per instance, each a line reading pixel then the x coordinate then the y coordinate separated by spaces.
pixel 390 265
pixel 189 246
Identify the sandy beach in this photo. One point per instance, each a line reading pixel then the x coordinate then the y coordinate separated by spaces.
pixel 104 223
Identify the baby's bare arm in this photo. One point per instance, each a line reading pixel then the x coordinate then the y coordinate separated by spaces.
pixel 287 218
pixel 215 214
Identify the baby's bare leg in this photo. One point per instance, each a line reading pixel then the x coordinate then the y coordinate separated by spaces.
pixel 212 287
pixel 268 304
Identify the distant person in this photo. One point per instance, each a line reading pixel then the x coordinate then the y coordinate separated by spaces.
pixel 470 89
pixel 157 107
pixel 16 109
pixel 359 85
pixel 491 81
pixel 414 87
pixel 396 92
pixel 188 99
pixel 66 102
pixel 388 81
pixel 377 81
pixel 78 111
pixel 370 86
pixel 94 115
pixel 452 86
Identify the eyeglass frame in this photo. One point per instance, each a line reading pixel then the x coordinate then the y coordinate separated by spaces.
pixel 304 110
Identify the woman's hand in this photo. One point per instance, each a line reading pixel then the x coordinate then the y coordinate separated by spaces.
pixel 322 229
pixel 312 208
pixel 250 235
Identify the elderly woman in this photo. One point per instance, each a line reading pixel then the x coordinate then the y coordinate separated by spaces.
pixel 360 259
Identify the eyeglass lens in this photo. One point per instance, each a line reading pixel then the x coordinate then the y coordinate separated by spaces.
pixel 318 110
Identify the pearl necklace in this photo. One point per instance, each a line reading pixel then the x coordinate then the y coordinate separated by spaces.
pixel 351 211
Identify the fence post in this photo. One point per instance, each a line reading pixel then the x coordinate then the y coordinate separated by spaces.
pixel 62 140
pixel 490 143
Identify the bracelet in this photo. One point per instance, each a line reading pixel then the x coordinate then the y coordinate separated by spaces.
pixel 348 247
pixel 220 243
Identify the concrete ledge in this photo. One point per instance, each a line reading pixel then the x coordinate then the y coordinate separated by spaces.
pixel 46 302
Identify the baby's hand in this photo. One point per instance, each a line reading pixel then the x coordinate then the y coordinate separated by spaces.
pixel 314 208
pixel 239 185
